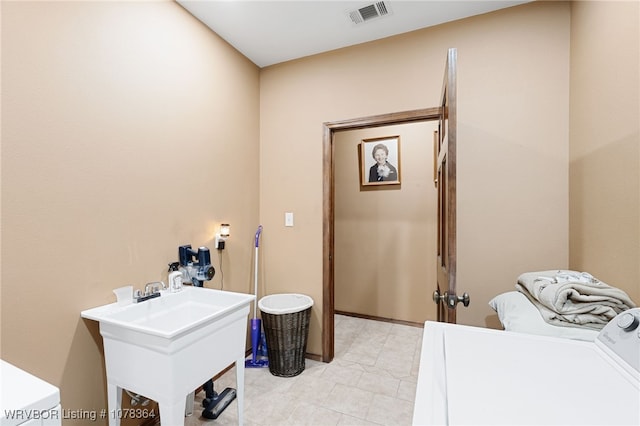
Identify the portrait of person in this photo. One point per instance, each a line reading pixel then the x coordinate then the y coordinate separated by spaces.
pixel 379 158
pixel 382 170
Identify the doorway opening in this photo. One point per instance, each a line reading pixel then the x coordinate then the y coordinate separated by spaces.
pixel 330 128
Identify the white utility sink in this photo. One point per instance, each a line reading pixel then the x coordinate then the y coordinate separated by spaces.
pixel 164 348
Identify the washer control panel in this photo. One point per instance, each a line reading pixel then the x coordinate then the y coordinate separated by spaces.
pixel 622 336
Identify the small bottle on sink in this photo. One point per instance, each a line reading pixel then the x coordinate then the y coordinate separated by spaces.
pixel 175 277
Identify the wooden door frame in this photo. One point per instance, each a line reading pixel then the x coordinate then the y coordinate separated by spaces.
pixel 328 194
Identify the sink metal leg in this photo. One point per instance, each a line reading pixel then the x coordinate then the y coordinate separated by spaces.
pixel 240 389
pixel 114 402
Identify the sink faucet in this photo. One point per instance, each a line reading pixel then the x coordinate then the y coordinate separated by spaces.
pixel 155 287
pixel 151 290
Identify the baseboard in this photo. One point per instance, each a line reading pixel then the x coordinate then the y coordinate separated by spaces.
pixel 371 317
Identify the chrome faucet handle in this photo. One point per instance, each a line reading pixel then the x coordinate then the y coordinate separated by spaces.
pixel 155 287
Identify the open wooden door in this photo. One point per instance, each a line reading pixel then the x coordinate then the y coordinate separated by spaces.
pixel 445 180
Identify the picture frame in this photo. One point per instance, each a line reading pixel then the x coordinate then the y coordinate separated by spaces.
pixel 385 170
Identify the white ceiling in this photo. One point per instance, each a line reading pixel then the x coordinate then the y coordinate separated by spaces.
pixel 269 32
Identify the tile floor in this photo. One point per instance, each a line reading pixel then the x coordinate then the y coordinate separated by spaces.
pixel 371 381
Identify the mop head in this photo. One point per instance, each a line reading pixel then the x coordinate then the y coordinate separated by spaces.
pixel 218 403
pixel 256 363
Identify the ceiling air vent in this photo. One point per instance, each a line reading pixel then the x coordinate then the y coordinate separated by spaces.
pixel 369 12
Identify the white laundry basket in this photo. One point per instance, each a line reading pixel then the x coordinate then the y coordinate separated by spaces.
pixel 285 319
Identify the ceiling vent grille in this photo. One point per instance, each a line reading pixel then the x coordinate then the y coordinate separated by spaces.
pixel 369 12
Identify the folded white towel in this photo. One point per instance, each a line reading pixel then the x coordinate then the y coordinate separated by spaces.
pixel 571 298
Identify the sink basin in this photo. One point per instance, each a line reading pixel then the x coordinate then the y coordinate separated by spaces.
pixel 166 347
pixel 171 314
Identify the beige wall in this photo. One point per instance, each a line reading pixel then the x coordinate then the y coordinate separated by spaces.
pixel 605 142
pixel 385 236
pixel 513 135
pixel 128 129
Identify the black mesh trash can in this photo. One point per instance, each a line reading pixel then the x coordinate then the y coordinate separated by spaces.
pixel 285 319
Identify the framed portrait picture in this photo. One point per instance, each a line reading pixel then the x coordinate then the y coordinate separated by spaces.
pixel 380 163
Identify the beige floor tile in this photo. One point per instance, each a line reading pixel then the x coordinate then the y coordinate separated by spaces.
pixel 378 326
pixel 271 409
pixel 398 365
pixel 407 390
pixel 401 344
pixel 310 388
pixel 348 400
pixel 390 411
pixel 371 381
pixel 375 383
pixel 364 359
pixel 345 375
pixel 346 420
pixel 312 414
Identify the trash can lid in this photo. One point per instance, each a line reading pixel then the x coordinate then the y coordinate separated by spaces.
pixel 285 303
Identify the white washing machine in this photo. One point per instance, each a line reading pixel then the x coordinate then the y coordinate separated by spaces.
pixel 26 400
pixel 477 376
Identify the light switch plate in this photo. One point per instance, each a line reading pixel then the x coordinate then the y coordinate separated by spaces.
pixel 288 219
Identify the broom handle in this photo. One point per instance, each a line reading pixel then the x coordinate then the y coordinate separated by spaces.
pixel 255 274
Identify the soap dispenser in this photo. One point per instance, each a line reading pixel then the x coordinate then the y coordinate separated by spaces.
pixel 175 277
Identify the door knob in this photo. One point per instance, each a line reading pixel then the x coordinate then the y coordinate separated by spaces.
pixel 437 297
pixel 451 300
pixel 465 299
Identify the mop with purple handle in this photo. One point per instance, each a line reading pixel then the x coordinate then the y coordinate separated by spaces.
pixel 256 323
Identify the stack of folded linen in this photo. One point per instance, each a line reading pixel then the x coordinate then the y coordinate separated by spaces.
pixel 573 299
